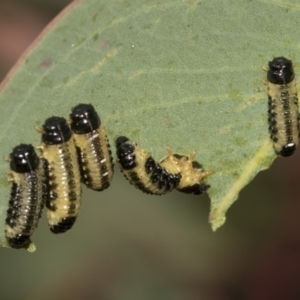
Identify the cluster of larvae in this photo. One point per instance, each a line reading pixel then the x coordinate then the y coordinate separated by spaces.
pixel 79 151
pixel 69 155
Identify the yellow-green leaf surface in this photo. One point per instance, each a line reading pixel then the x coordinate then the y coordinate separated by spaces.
pixel 180 73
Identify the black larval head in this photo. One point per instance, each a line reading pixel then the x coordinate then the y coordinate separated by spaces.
pixel 23 159
pixel 56 131
pixel 121 140
pixel 126 156
pixel 280 71
pixel 84 119
pixel 125 150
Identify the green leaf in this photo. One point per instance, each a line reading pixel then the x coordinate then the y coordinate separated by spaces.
pixel 180 73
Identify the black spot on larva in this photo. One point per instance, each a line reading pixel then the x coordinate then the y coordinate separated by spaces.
pixel 163 179
pixel 150 165
pixel 14 203
pixel 104 186
pixel 56 131
pixel 155 175
pixel 13 213
pixel 51 206
pixel 134 176
pixel 173 181
pixel 274 130
pixel 70 173
pixel 196 165
pixel 196 189
pixel 73 196
pixel 19 241
pixel 178 156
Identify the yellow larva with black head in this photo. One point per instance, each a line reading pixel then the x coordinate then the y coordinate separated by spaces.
pixel 26 202
pixel 283 106
pixel 142 171
pixel 63 187
pixel 192 174
pixel 95 157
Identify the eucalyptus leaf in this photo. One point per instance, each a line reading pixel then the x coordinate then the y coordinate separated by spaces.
pixel 180 73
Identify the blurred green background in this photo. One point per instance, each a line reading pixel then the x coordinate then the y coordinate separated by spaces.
pixel 127 245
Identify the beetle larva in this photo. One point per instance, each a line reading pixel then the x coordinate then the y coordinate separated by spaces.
pixel 283 106
pixel 191 172
pixel 142 171
pixel 94 154
pixel 62 177
pixel 26 202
